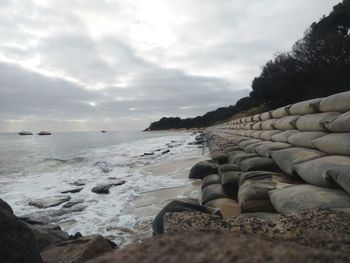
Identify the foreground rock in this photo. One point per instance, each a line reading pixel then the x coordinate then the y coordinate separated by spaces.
pixel 217 246
pixel 72 191
pixel 79 250
pixel 104 188
pixel 16 239
pixel 50 201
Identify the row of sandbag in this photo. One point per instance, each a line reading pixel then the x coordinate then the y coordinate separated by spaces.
pixel 312 166
pixel 263 191
pixel 327 122
pixel 334 103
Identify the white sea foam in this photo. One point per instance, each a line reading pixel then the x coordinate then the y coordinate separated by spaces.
pixel 112 214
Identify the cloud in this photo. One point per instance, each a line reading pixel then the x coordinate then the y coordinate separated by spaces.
pixel 93 64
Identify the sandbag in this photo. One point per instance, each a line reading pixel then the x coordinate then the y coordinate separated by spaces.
pixel 211 179
pixel 315 172
pixel 303 139
pixel 227 150
pixel 212 192
pixel 256 134
pixel 227 168
pixel 314 122
pixel 202 169
pixel 248 126
pixel 334 143
pixel 305 107
pixel 338 102
pixel 219 156
pixel 256 117
pixel 245 143
pixel 265 116
pixel 229 146
pixel 268 124
pixel 227 207
pixel 341 175
pixel 283 136
pixel 280 112
pixel 297 198
pixel 266 149
pixel 230 183
pixel 258 164
pixel 267 135
pixel 237 140
pixel 257 126
pixel 242 133
pixel 286 123
pixel 251 148
pixel 249 133
pixel 237 156
pixel 253 194
pixel 340 123
pixel 286 159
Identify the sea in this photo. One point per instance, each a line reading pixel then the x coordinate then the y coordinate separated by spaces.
pixel 41 167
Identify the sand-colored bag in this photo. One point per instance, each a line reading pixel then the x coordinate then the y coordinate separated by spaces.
pixel 265 150
pixel 305 107
pixel 314 122
pixel 259 164
pixel 315 171
pixel 280 112
pixel 333 143
pixel 297 198
pixel 286 123
pixel 339 102
pixel 303 139
pixel 268 124
pixel 340 123
pixel 283 136
pixel 266 116
pixel 286 159
pixel 267 135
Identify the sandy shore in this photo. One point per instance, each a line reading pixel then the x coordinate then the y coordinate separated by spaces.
pixel 151 203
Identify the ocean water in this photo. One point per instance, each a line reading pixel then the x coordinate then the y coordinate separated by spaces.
pixel 39 167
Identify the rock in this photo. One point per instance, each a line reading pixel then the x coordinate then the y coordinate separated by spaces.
pixel 50 201
pixel 76 190
pixel 78 250
pixel 104 166
pixel 104 188
pixel 72 203
pixel 44 236
pixel 166 151
pixel 218 247
pixel 151 153
pixel 16 240
pixel 80 182
pixel 77 235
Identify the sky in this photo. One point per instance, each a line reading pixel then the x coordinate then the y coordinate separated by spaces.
pixel 83 65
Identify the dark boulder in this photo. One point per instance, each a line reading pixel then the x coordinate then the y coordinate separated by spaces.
pixel 104 188
pixel 202 169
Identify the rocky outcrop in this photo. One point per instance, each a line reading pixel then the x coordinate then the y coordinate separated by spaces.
pixel 50 201
pixel 104 188
pixel 16 239
pixel 76 251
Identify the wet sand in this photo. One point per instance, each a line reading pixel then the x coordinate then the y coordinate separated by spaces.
pixel 151 203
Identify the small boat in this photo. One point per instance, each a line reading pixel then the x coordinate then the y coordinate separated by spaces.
pixel 44 133
pixel 103 131
pixel 25 133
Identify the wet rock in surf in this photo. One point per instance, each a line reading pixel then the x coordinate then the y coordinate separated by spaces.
pixel 72 191
pixel 72 203
pixel 166 151
pixel 104 166
pixel 104 188
pixel 150 153
pixel 50 201
pixel 80 182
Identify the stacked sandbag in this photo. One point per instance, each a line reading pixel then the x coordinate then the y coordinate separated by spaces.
pixel 290 159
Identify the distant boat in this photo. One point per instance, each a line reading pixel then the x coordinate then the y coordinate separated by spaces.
pixel 103 131
pixel 44 133
pixel 25 133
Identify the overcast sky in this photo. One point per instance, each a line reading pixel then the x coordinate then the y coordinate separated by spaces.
pixel 120 64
